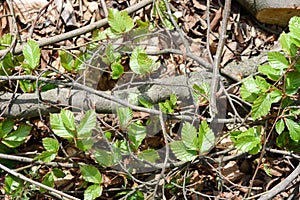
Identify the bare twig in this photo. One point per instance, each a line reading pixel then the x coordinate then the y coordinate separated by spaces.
pixel 24 178
pixel 217 60
pixel 79 31
pixel 282 185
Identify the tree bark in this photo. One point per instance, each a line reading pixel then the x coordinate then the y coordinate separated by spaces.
pixel 272 11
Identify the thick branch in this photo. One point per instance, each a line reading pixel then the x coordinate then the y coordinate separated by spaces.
pixel 84 98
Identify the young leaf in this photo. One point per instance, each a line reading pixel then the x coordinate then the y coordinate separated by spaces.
pixel 112 56
pixel 189 136
pixel 201 93
pixel 59 128
pixel 248 141
pixel 48 180
pixel 277 60
pixel 31 52
pixel 294 26
pixel 292 82
pixel 5 41
pixel 261 106
pixel 119 22
pixel 117 70
pixel 294 129
pixel 249 89
pixel 143 101
pixel 279 126
pixel 68 119
pixel 181 152
pixel 92 192
pixel 85 144
pixel 58 173
pixel 90 174
pixel 150 155
pixel 50 144
pixel 275 96
pixel 136 133
pixel 46 156
pixel 17 137
pixel 270 72
pixel 66 60
pixel 287 44
pixel 140 63
pixel 104 158
pixel 13 185
pixel 262 84
pixel 125 116
pixel 6 126
pixel 206 137
pixel 87 124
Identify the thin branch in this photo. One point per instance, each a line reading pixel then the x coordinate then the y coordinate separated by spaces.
pixel 216 75
pixel 282 185
pixel 80 31
pixel 24 178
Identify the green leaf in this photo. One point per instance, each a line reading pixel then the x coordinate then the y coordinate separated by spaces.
pixel 248 141
pixel 136 133
pixel 13 185
pixel 17 137
pixel 112 56
pixel 125 116
pixel 117 70
pixel 262 84
pixel 146 103
pixel 277 60
pixel 150 155
pixel 86 143
pixel 275 96
pixel 206 137
pixel 292 82
pixel 92 192
pixel 66 60
pixel 50 144
pixel 279 126
pixel 261 106
pixel 119 22
pixel 59 128
pixel 140 63
pixel 181 152
pixel 68 119
pixel 137 195
pixel 270 72
pixel 287 44
pixel 294 129
pixel 104 158
pixel 58 173
pixel 249 89
pixel 189 136
pixel 294 26
pixel 173 99
pixel 6 126
pixel 5 41
pixel 31 52
pixel 48 181
pixel 27 86
pixel 90 174
pixel 46 156
pixel 201 93
pixel 87 124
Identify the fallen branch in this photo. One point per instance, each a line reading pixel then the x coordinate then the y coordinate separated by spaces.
pixel 282 185
pixel 85 98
